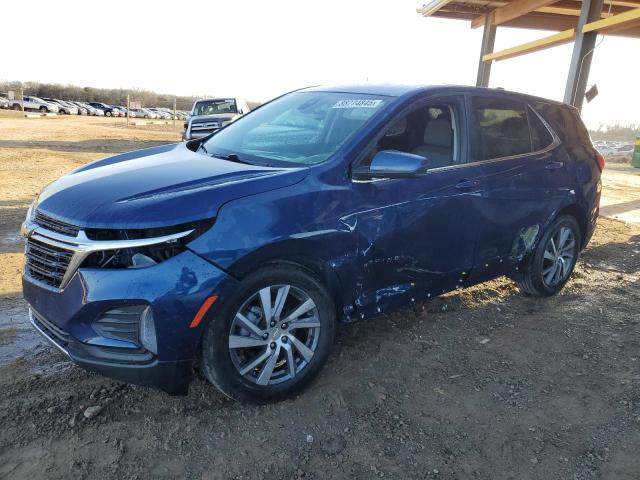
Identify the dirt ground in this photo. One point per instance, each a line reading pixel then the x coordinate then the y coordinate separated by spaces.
pixel 483 383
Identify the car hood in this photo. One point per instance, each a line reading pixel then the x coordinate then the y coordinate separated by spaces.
pixel 155 187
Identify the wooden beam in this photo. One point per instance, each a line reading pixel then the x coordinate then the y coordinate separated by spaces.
pixel 543 21
pixel 512 10
pixel 433 6
pixel 616 22
pixel 529 47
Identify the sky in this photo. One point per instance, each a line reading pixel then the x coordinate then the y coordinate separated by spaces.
pixel 262 48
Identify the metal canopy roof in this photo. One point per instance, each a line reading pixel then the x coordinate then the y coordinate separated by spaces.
pixel 577 21
pixel 552 15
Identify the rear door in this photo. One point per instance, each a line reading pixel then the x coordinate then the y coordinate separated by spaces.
pixel 525 174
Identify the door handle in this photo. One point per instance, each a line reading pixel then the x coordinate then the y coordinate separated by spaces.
pixel 467 184
pixel 554 165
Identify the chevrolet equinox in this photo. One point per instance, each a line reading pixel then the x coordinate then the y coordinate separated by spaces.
pixel 238 252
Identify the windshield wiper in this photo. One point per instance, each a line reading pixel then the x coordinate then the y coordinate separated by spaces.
pixel 203 148
pixel 231 157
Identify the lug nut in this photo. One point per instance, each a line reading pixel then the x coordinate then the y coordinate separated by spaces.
pixel 273 345
pixel 273 324
pixel 285 339
pixel 284 325
pixel 265 335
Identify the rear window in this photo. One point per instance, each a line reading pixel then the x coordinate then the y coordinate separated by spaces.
pixel 565 122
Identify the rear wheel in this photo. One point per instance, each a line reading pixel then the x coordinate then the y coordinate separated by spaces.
pixel 107 113
pixel 552 263
pixel 16 107
pixel 271 338
pixel 43 109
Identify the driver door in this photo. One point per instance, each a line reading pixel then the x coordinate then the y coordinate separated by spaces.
pixel 417 238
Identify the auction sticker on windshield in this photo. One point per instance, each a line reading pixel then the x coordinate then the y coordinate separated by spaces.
pixel 357 103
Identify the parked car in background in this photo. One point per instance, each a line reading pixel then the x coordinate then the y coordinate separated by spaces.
pixel 606 150
pixel 34 103
pixel 143 113
pixel 241 251
pixel 107 109
pixel 88 108
pixel 4 103
pixel 211 114
pixel 94 111
pixel 625 149
pixel 64 107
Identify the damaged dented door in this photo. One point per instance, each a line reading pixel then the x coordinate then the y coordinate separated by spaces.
pixel 526 176
pixel 416 235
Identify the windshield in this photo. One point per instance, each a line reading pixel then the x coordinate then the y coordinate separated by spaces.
pixel 215 106
pixel 303 128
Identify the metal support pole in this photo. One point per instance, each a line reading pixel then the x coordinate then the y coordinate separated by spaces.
pixel 582 54
pixel 174 113
pixel 22 98
pixel 128 109
pixel 488 41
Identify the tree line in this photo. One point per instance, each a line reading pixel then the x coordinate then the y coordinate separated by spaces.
pixel 110 96
pixel 625 133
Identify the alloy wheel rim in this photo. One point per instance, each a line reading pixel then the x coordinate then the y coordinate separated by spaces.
pixel 558 257
pixel 274 334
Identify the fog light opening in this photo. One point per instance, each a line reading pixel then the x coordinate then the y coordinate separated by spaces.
pixel 148 331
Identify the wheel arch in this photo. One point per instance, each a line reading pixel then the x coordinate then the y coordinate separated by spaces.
pixel 301 255
pixel 580 215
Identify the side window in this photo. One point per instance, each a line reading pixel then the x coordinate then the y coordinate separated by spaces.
pixel 429 131
pixel 501 128
pixel 540 136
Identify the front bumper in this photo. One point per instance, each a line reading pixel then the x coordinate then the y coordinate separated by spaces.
pixel 172 377
pixel 174 289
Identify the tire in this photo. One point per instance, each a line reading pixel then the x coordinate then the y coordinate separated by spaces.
pixel 107 114
pixel 43 110
pixel 308 344
pixel 16 107
pixel 546 272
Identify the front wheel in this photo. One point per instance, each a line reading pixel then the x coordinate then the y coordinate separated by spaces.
pixel 43 110
pixel 552 263
pixel 272 337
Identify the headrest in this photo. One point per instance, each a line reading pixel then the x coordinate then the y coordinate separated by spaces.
pixel 438 133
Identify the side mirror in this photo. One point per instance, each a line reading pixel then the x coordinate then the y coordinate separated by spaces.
pixel 393 164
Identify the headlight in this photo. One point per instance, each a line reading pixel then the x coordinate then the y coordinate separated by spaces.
pixel 31 212
pixel 28 225
pixel 143 256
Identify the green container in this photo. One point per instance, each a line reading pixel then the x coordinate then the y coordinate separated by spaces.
pixel 635 161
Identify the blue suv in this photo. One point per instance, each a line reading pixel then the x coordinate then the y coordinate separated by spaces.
pixel 238 253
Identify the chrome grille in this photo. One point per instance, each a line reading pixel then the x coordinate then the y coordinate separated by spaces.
pixel 55 225
pixel 205 126
pixel 46 263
